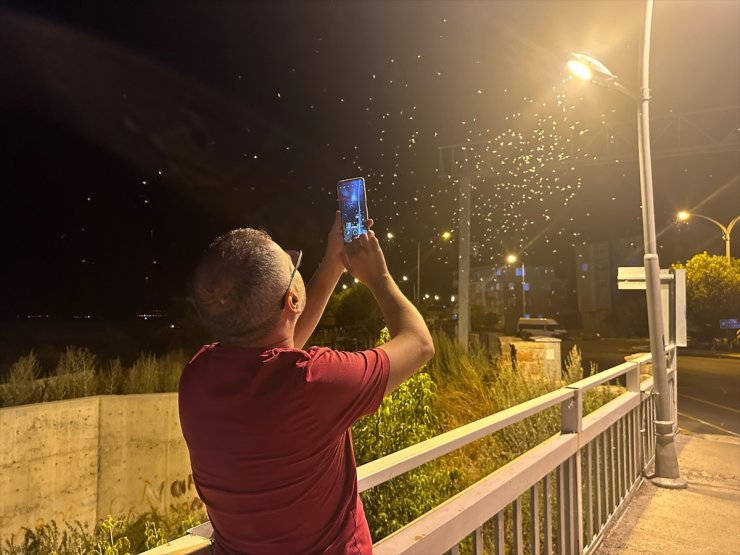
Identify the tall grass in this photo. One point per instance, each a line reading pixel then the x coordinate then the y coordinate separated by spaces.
pixel 113 535
pixel 79 373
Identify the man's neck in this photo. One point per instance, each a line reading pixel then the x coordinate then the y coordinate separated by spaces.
pixel 272 341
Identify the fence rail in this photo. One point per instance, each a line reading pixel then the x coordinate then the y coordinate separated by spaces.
pixel 558 497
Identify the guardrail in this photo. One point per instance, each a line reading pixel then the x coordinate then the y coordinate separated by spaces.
pixel 558 497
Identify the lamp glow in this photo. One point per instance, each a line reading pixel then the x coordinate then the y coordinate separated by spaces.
pixel 446 235
pixel 511 259
pixel 683 216
pixel 580 70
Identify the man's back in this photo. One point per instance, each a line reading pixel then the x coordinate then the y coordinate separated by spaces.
pixel 270 448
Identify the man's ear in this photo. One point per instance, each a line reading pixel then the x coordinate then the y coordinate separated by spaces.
pixel 294 301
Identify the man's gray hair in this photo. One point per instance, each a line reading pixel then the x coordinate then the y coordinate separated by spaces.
pixel 238 284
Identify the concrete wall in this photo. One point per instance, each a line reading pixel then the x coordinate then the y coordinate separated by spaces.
pixel 86 458
pixel 540 358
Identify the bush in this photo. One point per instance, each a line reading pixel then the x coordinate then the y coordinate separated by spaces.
pixel 405 417
pixel 21 387
pixel 75 374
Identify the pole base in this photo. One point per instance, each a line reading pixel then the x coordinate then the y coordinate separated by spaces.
pixel 667 474
pixel 669 483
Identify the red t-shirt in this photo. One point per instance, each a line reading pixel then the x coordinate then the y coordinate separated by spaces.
pixel 270 445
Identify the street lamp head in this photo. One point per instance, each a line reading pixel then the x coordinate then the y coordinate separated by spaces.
pixel 404 278
pixel 585 67
pixel 683 216
pixel 389 235
pixel 511 259
pixel 590 69
pixel 446 235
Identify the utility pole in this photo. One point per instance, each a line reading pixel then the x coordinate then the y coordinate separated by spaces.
pixel 463 274
pixel 418 273
pixel 524 294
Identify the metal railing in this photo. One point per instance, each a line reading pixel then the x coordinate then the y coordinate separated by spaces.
pixel 558 497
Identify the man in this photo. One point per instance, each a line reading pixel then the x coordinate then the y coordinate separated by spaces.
pixel 267 423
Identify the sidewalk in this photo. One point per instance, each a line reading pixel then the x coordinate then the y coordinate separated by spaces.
pixel 703 519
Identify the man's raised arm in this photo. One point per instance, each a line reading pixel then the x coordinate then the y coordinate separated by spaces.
pixel 411 343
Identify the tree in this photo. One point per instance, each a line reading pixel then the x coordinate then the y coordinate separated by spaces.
pixel 355 309
pixel 712 291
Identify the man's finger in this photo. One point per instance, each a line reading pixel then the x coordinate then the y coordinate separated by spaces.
pixel 344 257
pixel 351 248
pixel 370 223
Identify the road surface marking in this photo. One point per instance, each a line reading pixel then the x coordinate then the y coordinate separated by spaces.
pixel 709 424
pixel 708 403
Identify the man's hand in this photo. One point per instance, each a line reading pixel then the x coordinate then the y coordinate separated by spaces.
pixel 335 242
pixel 364 259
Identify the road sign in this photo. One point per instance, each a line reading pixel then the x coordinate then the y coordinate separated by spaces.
pixel 673 294
pixel 729 324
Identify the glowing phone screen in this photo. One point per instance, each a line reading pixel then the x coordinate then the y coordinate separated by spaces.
pixel 352 207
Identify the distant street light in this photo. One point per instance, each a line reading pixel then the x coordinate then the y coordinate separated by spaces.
pixel 445 236
pixel 666 458
pixel 684 217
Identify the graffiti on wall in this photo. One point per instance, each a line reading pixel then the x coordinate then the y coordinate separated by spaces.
pixel 168 495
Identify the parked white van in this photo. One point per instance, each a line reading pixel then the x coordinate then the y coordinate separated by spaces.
pixel 528 327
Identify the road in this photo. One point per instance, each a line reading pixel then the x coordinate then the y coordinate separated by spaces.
pixel 709 395
pixel 708 386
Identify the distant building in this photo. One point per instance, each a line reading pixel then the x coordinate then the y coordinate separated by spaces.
pixel 596 280
pixel 499 291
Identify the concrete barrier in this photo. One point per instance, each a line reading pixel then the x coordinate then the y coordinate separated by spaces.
pixel 86 458
pixel 538 358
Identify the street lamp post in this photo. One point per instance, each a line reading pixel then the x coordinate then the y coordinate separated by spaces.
pixel 684 216
pixel 666 458
pixel 512 259
pixel 445 236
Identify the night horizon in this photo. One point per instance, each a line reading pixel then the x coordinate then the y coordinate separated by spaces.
pixel 146 134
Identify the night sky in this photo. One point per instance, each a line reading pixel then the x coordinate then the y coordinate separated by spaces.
pixel 134 133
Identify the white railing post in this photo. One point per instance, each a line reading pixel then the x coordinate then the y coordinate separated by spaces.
pixel 571 422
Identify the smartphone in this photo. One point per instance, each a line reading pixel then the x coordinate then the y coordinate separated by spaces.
pixel 352 207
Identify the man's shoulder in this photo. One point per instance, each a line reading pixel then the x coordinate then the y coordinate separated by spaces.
pixel 327 353
pixel 202 352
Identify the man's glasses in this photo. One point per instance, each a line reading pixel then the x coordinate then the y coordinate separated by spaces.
pixel 295 258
